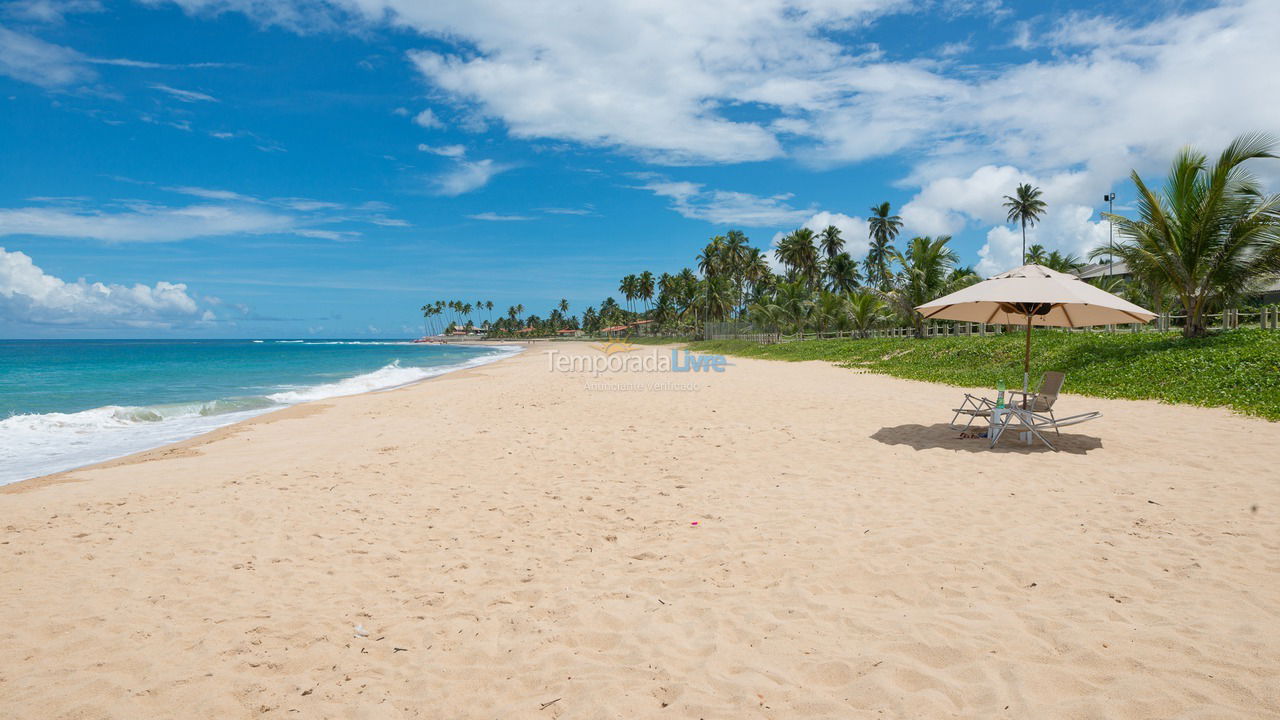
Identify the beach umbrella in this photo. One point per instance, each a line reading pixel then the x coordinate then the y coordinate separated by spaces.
pixel 1034 295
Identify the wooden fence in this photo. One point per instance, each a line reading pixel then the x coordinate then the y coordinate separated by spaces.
pixel 1267 317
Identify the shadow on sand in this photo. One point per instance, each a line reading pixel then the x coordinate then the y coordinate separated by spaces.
pixel 941 435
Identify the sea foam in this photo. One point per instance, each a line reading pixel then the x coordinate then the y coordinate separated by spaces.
pixel 32 445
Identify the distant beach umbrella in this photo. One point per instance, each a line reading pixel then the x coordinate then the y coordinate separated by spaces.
pixel 1034 295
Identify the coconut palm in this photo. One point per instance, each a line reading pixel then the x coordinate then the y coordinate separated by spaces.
pixel 1025 207
pixel 866 310
pixel 1062 263
pixel 644 287
pixel 627 288
pixel 794 302
pixel 882 228
pixel 842 273
pixel 1037 254
pixel 711 261
pixel 830 242
pixel 798 252
pixel 755 269
pixel 1210 233
pixel 830 311
pixel 927 266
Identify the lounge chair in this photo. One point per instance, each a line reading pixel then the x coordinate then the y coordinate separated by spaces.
pixel 1042 400
pixel 973 407
pixel 1034 412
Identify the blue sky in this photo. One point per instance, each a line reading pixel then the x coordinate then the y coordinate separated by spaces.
pixel 228 168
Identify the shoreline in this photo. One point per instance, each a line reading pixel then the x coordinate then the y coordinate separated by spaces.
pixel 784 539
pixel 204 437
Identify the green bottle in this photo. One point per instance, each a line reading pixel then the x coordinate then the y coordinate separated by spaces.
pixel 1000 393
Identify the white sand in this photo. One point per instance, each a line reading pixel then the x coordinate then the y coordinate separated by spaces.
pixel 526 539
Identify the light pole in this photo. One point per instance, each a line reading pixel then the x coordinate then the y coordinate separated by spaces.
pixel 1110 199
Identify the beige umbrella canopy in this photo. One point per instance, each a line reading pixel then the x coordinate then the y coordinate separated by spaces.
pixel 1034 295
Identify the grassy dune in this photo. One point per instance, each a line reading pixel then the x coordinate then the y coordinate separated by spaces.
pixel 1238 369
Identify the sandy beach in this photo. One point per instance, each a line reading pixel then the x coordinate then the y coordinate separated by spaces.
pixel 776 541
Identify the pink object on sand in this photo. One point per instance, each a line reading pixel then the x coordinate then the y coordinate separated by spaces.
pixel 695 522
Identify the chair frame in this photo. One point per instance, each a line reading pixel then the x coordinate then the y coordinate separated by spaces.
pixel 1034 422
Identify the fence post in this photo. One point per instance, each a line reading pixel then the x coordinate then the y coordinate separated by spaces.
pixel 1262 316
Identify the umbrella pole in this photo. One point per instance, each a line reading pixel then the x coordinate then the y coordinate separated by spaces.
pixel 1026 359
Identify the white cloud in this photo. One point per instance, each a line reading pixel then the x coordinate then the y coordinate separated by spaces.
pixel 31 60
pixel 29 295
pixel 187 96
pixel 744 80
pixel 453 151
pixel 852 229
pixel 49 11
pixel 212 194
pixel 335 235
pixel 945 205
pixel 428 119
pixel 466 176
pixel 495 217
pixel 725 207
pixel 948 205
pixel 142 223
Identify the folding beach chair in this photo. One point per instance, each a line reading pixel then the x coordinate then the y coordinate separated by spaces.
pixel 1042 400
pixel 1022 420
pixel 1034 413
pixel 973 407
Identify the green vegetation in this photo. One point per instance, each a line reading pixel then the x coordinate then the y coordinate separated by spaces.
pixel 1238 369
pixel 1209 236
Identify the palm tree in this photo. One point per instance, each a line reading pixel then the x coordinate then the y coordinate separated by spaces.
pixel 842 273
pixel 1062 263
pixel 644 287
pixel 927 273
pixel 712 300
pixel 563 305
pixel 1037 254
pixel 882 228
pixel 794 302
pixel 830 309
pixel 711 259
pixel 866 310
pixel 755 269
pixel 830 242
pixel 627 288
pixel 1210 233
pixel 798 252
pixel 1026 207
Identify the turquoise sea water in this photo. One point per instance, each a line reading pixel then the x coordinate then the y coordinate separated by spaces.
pixel 69 403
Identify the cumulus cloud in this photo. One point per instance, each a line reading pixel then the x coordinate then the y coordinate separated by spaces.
pixel 727 207
pixel 744 80
pixel 852 229
pixel 466 176
pixel 427 119
pixel 948 205
pixel 30 296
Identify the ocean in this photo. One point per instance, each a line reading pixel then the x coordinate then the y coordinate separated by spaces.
pixel 68 403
